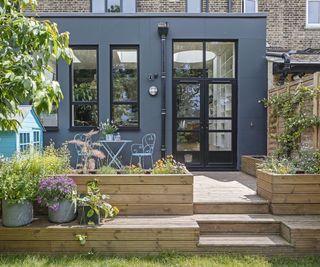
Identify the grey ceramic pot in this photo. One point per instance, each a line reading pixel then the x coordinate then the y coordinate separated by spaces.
pixel 66 212
pixel 15 215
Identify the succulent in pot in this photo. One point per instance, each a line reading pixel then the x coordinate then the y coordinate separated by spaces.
pixel 19 179
pixel 93 206
pixel 59 195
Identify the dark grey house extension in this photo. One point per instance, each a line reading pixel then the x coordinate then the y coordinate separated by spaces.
pixel 193 80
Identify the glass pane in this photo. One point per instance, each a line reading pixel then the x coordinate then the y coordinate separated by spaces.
pixel 129 6
pixel 220 141
pixel 188 125
pixel 114 6
pixel 220 125
pixel 85 75
pixel 194 6
pixel 188 100
pixel 189 141
pixel 220 100
pixel 188 59
pixel 49 119
pixel 250 6
pixel 126 115
pixel 98 6
pixel 314 12
pixel 125 75
pixel 85 115
pixel 220 60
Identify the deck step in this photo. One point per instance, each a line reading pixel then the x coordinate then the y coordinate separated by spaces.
pixel 260 207
pixel 238 223
pixel 251 244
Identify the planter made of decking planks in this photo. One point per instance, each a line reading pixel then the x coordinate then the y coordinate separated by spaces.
pixel 249 164
pixel 144 194
pixel 290 193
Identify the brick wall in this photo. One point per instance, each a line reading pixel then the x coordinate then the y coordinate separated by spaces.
pixel 285 27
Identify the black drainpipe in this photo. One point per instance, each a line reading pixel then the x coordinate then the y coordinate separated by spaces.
pixel 163 28
pixel 230 6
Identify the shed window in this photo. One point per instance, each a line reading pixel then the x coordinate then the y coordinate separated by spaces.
pixel 125 86
pixel 84 88
pixel 24 141
pixel 313 13
pixel 36 139
pixel 194 6
pixel 250 6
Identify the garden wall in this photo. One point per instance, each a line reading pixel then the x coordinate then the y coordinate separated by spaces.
pixel 311 137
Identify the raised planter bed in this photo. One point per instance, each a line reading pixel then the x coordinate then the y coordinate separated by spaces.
pixel 249 164
pixel 291 193
pixel 144 194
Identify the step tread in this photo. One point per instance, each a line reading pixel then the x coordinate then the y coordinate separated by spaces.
pixel 236 218
pixel 242 240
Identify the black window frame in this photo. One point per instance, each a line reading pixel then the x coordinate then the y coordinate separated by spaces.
pixel 121 6
pixel 201 6
pixel 115 47
pixel 71 76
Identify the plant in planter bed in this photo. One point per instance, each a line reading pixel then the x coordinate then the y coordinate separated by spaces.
pixel 19 179
pixel 168 166
pixel 59 195
pixel 94 206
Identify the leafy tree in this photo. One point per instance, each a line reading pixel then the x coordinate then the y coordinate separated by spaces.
pixel 26 47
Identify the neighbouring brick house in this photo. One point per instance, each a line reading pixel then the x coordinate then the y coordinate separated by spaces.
pixel 208 65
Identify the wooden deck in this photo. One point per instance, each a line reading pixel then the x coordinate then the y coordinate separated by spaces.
pixel 241 225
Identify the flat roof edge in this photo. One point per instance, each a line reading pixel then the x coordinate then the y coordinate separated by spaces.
pixel 143 15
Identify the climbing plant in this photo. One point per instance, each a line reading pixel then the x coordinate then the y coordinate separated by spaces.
pixel 296 112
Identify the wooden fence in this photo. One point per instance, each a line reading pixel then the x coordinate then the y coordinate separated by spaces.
pixel 311 137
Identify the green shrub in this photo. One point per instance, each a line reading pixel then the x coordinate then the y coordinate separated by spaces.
pixel 168 166
pixel 278 166
pixel 133 169
pixel 308 161
pixel 19 178
pixel 107 170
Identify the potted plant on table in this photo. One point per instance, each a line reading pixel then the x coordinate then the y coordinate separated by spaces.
pixel 108 129
pixel 19 179
pixel 94 206
pixel 59 195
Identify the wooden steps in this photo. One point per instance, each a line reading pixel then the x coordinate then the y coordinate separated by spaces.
pixel 259 207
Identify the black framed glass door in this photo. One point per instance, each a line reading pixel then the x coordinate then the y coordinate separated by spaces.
pixel 204 104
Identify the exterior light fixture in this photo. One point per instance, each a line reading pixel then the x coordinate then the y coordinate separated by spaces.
pixel 153 90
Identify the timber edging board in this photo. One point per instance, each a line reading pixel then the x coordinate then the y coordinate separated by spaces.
pixel 290 194
pixel 249 164
pixel 144 194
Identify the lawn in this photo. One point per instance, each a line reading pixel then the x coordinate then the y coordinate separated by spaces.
pixel 164 260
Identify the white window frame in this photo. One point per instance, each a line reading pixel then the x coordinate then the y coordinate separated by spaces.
pixel 311 25
pixel 244 6
pixel 19 144
pixel 36 143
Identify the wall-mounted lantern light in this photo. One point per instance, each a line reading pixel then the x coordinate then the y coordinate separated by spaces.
pixel 153 90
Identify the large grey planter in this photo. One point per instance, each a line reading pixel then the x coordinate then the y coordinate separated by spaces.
pixel 66 212
pixel 15 215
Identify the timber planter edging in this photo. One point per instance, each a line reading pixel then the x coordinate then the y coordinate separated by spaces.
pixel 144 194
pixel 249 164
pixel 290 193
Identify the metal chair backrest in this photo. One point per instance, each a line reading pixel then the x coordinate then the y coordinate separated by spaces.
pixel 79 137
pixel 148 143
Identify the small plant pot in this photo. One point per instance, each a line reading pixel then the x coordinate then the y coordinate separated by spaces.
pixel 66 212
pixel 109 137
pixel 15 215
pixel 83 219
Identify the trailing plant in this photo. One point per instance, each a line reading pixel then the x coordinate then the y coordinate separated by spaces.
pixel 56 161
pixel 168 166
pixel 293 109
pixel 82 239
pixel 108 127
pixel 133 169
pixel 97 202
pixel 19 177
pixel 107 170
pixel 54 189
pixel 88 150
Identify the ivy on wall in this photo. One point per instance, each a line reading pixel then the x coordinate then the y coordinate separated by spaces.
pixel 294 109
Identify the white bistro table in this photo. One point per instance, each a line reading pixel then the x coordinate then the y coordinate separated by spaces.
pixel 113 149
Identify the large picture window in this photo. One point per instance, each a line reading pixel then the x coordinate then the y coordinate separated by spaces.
pixel 250 6
pixel 313 13
pixel 194 6
pixel 125 86
pixel 84 87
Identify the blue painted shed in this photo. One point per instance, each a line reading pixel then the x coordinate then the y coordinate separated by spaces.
pixel 29 134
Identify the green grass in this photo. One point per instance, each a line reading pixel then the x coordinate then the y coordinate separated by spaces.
pixel 163 260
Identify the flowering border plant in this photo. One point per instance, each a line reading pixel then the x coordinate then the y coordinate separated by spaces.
pixel 108 127
pixel 54 189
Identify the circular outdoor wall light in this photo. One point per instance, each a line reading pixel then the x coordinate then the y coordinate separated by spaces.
pixel 153 90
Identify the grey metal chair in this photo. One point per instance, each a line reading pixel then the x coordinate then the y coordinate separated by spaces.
pixel 80 154
pixel 145 149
